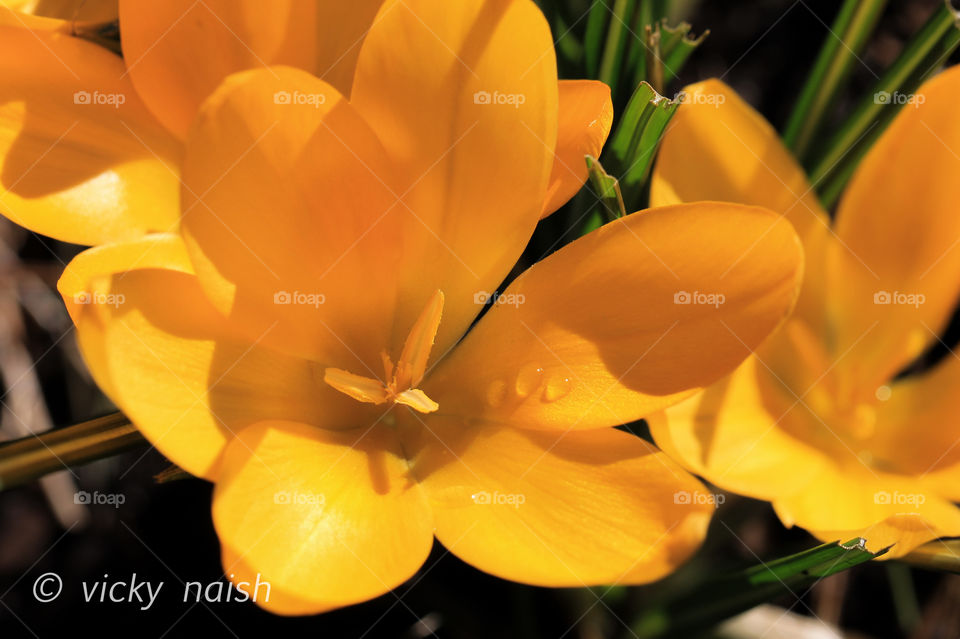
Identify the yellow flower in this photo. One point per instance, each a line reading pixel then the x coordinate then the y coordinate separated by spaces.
pixel 91 144
pixel 303 342
pixel 819 422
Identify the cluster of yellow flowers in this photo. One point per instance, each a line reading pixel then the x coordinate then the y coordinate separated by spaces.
pixel 297 211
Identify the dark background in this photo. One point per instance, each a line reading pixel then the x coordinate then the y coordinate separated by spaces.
pixel 163 531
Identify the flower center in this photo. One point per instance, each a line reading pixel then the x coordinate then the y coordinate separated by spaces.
pixel 400 379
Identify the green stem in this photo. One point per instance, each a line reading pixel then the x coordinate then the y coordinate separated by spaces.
pixel 616 43
pixel 921 57
pixel 848 35
pixel 28 458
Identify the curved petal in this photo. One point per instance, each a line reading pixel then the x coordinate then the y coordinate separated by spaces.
pixel 917 431
pixel 850 501
pixel 329 519
pixel 81 158
pixel 464 97
pixel 895 277
pixel 178 51
pixel 585 118
pixel 290 219
pixel 626 320
pixel 176 367
pixel 559 509
pixel 78 10
pixel 718 147
pixel 731 435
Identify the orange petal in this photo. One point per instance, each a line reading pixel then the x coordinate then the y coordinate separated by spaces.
pixel 329 519
pixel 850 501
pixel 734 435
pixel 559 509
pixel 718 147
pixel 81 158
pixel 169 45
pixel 73 10
pixel 464 97
pixel 626 320
pixel 175 366
pixel 895 276
pixel 585 118
pixel 290 219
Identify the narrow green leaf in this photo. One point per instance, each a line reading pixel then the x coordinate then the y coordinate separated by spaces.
pixel 595 37
pixel 607 190
pixel 845 41
pixel 29 458
pixel 921 58
pixel 721 598
pixel 617 36
pixel 634 144
pixel 676 45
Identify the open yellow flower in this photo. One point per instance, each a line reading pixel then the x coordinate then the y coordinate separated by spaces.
pixel 301 342
pixel 91 145
pixel 819 422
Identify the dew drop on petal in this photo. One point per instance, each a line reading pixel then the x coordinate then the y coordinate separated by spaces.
pixel 496 393
pixel 557 387
pixel 528 380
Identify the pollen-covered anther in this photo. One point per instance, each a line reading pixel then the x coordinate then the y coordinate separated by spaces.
pixel 403 377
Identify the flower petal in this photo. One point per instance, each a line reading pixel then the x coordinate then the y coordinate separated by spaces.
pixel 329 519
pixel 895 276
pixel 585 118
pixel 558 509
pixel 731 435
pixel 176 367
pixel 464 98
pixel 178 51
pixel 291 220
pixel 843 502
pixel 718 147
pixel 626 320
pixel 81 158
pixel 79 10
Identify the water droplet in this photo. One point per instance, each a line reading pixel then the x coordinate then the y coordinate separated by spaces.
pixel 496 393
pixel 557 387
pixel 884 393
pixel 528 380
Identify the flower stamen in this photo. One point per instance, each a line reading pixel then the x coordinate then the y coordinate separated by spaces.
pixel 402 378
